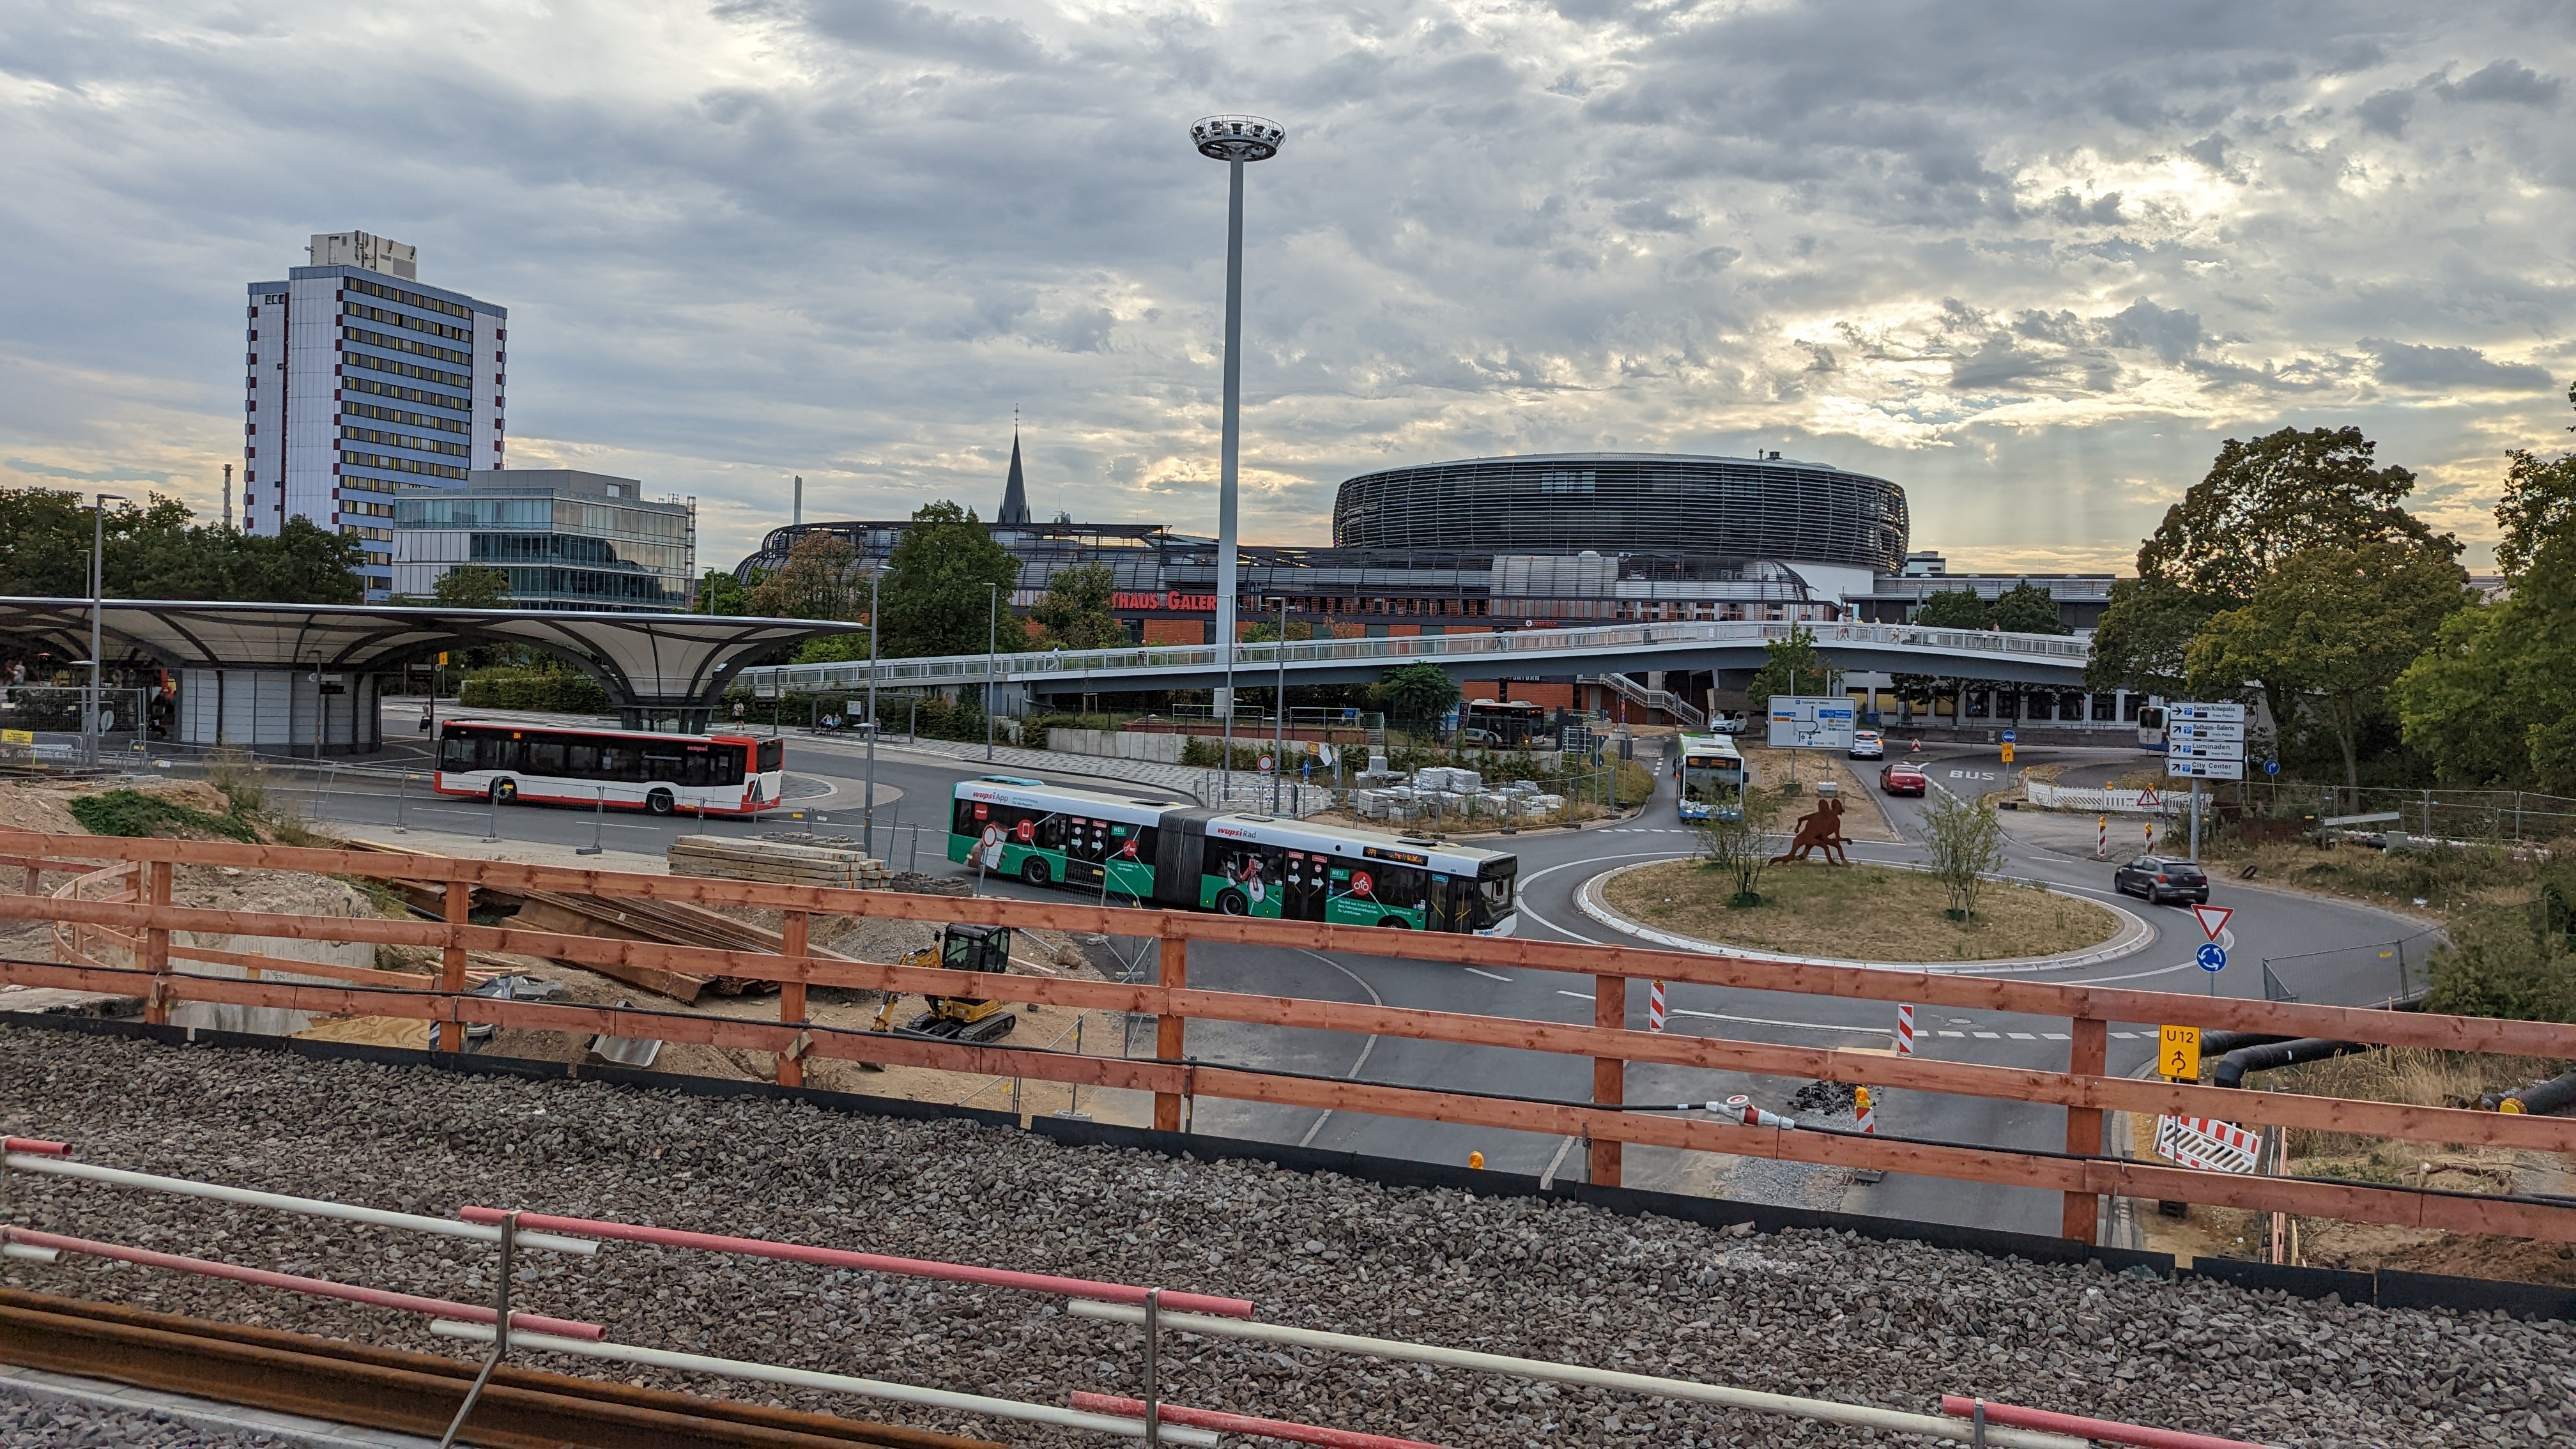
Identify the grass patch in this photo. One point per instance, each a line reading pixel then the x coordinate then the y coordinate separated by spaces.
pixel 133 813
pixel 1860 912
pixel 2416 1076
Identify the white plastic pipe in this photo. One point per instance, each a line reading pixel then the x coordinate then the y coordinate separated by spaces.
pixel 310 1207
pixel 770 1373
pixel 1894 1421
pixel 30 1252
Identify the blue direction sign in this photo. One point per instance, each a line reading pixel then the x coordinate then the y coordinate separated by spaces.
pixel 2271 767
pixel 2212 957
pixel 2008 737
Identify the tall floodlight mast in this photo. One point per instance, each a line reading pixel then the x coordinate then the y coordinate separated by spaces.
pixel 1233 140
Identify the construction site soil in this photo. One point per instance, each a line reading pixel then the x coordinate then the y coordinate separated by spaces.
pixel 1804 1312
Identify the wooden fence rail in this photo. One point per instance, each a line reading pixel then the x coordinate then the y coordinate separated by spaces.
pixel 2081 1173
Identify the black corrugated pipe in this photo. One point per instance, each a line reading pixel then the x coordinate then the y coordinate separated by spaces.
pixel 2539 1097
pixel 2212 1043
pixel 2231 1068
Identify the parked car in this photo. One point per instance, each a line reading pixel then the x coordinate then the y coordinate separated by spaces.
pixel 1900 778
pixel 2162 878
pixel 1868 745
pixel 1726 724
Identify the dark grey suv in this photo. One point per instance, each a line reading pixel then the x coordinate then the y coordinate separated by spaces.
pixel 2162 878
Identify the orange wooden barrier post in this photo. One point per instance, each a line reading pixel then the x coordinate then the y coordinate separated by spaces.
pixel 451 963
pixel 1172 971
pixel 156 946
pixel 1609 1074
pixel 791 999
pixel 2086 1055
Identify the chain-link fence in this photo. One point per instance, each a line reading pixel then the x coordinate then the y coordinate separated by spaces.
pixel 48 727
pixel 2469 816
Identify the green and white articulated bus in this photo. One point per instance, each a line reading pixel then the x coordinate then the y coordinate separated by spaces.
pixel 1164 852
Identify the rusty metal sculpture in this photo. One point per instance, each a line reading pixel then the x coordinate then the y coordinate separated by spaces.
pixel 1818 829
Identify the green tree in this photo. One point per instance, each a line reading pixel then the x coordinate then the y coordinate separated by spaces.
pixel 1952 609
pixel 2539 505
pixel 473 586
pixel 2027 609
pixel 154 551
pixel 1416 695
pixel 2140 642
pixel 723 595
pixel 820 580
pixel 2275 496
pixel 2493 701
pixel 2332 629
pixel 1739 844
pixel 935 596
pixel 1965 841
pixel 1791 666
pixel 1075 610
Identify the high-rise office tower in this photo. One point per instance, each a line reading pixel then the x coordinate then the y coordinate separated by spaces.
pixel 364 382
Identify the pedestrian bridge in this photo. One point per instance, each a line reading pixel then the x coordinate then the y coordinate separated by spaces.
pixel 2027 660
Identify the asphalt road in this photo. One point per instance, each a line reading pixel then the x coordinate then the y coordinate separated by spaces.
pixel 2316 950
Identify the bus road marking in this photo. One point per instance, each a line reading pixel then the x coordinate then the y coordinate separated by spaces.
pixel 1488 975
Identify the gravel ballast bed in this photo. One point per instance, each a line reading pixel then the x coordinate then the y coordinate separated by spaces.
pixel 1814 1313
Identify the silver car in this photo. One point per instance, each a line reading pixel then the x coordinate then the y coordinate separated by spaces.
pixel 1868 745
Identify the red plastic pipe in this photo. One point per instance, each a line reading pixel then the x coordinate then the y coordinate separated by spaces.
pixel 318 1287
pixel 868 1262
pixel 1244 1424
pixel 37 1145
pixel 2104 1430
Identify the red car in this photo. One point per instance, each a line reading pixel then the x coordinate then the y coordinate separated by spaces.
pixel 1900 778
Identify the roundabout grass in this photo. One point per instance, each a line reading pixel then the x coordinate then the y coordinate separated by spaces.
pixel 1858 913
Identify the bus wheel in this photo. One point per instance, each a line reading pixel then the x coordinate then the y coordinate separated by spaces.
pixel 505 791
pixel 1232 903
pixel 660 802
pixel 1034 871
pixel 1394 923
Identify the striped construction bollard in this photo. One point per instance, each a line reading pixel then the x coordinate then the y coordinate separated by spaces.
pixel 1861 1110
pixel 2102 847
pixel 2151 835
pixel 1905 1029
pixel 1655 1006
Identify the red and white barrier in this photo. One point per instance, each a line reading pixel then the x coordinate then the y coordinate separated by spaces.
pixel 1905 1028
pixel 2102 847
pixel 316 1287
pixel 1245 1424
pixel 1655 1006
pixel 2102 1430
pixel 866 1262
pixel 1863 1109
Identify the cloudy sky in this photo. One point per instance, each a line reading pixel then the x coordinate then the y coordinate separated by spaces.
pixel 2032 260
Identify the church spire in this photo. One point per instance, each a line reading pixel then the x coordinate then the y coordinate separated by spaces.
pixel 1015 491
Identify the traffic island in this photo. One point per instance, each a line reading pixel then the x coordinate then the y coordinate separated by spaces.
pixel 1860 914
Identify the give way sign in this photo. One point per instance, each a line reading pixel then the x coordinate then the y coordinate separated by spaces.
pixel 2213 919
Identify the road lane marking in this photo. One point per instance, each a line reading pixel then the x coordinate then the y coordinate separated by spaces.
pixel 2056 1036
pixel 1365 1047
pixel 1987 1036
pixel 2020 1036
pixel 1488 975
pixel 1954 1033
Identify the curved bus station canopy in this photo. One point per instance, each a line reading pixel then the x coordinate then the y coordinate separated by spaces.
pixel 660 670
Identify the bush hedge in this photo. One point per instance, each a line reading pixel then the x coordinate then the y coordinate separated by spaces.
pixel 559 691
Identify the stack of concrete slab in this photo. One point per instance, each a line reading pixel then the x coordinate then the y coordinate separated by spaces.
pixel 813 860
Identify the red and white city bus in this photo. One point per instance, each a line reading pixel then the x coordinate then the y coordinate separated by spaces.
pixel 628 769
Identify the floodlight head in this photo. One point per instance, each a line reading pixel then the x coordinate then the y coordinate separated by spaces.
pixel 1237 138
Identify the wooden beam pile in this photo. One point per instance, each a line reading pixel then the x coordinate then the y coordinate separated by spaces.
pixel 829 861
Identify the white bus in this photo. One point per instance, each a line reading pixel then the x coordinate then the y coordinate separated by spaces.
pixel 625 769
pixel 1712 779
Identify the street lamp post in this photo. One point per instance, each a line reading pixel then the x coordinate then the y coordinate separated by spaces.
pixel 1233 140
pixel 97 607
pixel 868 813
pixel 992 626
pixel 1279 726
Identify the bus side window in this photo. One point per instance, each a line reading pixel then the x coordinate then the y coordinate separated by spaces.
pixel 963 821
pixel 545 757
pixel 581 761
pixel 1050 832
pixel 511 754
pixel 619 762
pixel 456 752
pixel 669 769
pixel 696 770
pixel 724 765
pixel 773 755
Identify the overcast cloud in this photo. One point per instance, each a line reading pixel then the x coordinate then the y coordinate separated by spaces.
pixel 2033 261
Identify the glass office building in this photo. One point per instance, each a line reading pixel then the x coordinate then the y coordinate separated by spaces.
pixel 567 539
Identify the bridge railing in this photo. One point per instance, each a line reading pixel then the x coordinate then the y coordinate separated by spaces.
pixel 1516 646
pixel 2084 1171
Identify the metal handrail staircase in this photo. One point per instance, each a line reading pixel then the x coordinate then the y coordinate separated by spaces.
pixel 1677 709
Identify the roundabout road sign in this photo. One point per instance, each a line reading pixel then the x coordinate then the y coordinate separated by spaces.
pixel 2212 957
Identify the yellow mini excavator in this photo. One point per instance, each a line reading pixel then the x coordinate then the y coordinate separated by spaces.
pixel 966 1018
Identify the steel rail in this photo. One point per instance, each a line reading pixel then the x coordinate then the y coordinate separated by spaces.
pixel 770 1373
pixel 1830 1411
pixel 310 1207
pixel 402 1391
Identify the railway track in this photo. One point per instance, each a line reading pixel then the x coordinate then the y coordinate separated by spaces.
pixel 394 1389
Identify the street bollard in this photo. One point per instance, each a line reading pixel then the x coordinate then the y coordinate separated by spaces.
pixel 492 825
pixel 402 790
pixel 598 822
